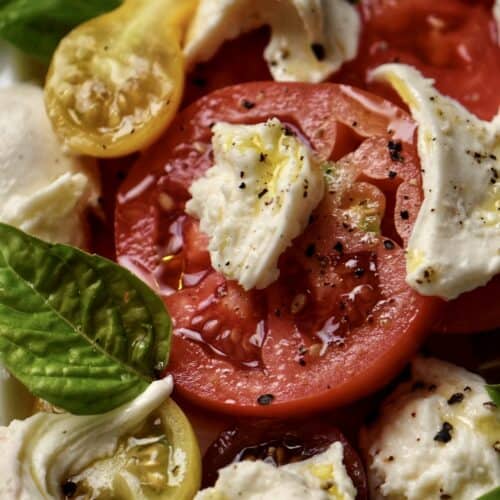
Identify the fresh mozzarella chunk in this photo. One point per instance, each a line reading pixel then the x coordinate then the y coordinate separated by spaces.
pixel 321 477
pixel 437 437
pixel 455 243
pixel 43 191
pixel 255 199
pixel 310 39
pixel 40 452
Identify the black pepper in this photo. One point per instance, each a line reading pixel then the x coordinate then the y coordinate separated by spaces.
pixel 444 434
pixel 404 214
pixel 262 193
pixel 319 51
pixel 388 245
pixel 391 174
pixel 242 185
pixel 358 272
pixel 338 247
pixel 395 148
pixel 247 104
pixel 265 399
pixel 69 489
pixel 458 397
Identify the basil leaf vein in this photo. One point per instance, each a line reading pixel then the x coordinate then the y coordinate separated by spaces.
pixel 78 330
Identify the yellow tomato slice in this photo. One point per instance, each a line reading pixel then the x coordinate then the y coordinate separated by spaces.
pixel 116 81
pixel 160 461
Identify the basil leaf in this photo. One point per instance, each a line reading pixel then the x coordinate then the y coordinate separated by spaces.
pixel 78 330
pixel 494 392
pixel 36 26
pixel 491 495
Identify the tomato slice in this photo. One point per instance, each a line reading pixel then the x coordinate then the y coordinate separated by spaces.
pixel 145 464
pixel 472 312
pixel 116 81
pixel 454 42
pixel 280 443
pixel 340 321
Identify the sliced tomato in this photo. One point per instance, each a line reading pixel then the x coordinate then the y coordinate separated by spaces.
pixel 340 321
pixel 472 312
pixel 280 443
pixel 456 42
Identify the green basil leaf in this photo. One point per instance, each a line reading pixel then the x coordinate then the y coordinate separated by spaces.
pixel 491 495
pixel 37 26
pixel 78 330
pixel 494 392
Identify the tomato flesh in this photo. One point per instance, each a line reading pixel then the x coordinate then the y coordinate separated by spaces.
pixel 340 321
pixel 454 42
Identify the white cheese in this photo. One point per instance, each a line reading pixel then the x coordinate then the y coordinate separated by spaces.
pixel 39 453
pixel 321 477
pixel 255 199
pixel 436 436
pixel 310 39
pixel 455 243
pixel 43 191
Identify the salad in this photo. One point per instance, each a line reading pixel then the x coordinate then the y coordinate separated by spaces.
pixel 249 249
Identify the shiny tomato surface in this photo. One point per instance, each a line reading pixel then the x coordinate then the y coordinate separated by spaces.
pixel 280 443
pixel 456 42
pixel 340 321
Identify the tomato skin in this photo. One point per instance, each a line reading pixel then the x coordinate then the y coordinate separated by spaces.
pixel 472 312
pixel 307 437
pixel 371 356
pixel 456 42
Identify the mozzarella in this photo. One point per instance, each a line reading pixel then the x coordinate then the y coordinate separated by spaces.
pixel 43 191
pixel 310 39
pixel 39 453
pixel 455 243
pixel 255 199
pixel 413 454
pixel 321 477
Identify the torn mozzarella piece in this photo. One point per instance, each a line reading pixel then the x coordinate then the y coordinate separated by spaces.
pixel 437 436
pixel 43 191
pixel 255 199
pixel 310 39
pixel 455 243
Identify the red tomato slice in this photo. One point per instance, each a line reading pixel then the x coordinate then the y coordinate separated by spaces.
pixel 340 321
pixel 280 443
pixel 456 42
pixel 472 312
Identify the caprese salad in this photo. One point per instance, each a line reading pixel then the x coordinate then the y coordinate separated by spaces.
pixel 250 249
